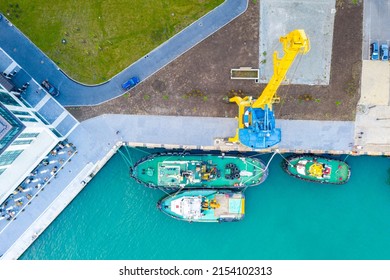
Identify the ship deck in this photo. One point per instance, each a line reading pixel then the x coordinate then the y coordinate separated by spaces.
pixel 173 170
pixel 188 205
pixel 338 170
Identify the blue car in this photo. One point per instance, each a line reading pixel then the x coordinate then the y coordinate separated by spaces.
pixel 385 52
pixel 374 51
pixel 130 83
pixel 50 88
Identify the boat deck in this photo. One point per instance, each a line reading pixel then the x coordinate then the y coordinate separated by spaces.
pixel 205 205
pixel 189 170
pixel 229 205
pixel 319 169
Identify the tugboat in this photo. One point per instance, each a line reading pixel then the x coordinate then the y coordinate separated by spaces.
pixel 200 205
pixel 174 171
pixel 318 169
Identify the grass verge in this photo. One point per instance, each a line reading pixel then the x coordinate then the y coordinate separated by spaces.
pixel 94 40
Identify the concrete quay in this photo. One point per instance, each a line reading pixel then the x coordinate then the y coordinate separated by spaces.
pixel 99 138
pixel 372 128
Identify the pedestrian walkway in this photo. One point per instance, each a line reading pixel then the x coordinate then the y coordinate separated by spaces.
pixel 35 62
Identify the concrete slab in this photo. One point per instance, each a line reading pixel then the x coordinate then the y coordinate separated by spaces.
pixel 316 135
pixel 66 125
pixel 372 130
pixel 190 131
pixel 278 18
pixel 51 110
pixel 375 88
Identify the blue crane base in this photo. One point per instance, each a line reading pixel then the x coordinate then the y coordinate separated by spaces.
pixel 260 132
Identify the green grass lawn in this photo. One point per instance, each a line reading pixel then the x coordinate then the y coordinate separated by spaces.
pixel 102 36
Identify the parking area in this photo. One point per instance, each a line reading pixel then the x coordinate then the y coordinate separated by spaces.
pixel 278 18
pixel 376 22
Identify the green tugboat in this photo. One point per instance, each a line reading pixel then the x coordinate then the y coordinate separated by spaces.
pixel 200 205
pixel 175 171
pixel 316 168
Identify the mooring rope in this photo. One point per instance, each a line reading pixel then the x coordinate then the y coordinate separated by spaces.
pixel 176 193
pixel 252 177
pixel 269 161
pixel 162 189
pixel 140 150
pixel 127 161
pixel 128 153
pixel 285 159
pixel 254 166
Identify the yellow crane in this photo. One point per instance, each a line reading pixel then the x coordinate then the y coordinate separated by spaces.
pixel 256 120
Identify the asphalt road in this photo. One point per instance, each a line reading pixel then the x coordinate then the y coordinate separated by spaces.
pixel 40 67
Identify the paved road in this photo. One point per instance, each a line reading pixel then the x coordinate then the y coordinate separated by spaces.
pixel 35 62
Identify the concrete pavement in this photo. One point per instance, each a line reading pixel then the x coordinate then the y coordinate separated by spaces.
pixel 278 18
pixel 198 132
pixel 372 131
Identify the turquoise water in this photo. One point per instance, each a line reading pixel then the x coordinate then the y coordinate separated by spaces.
pixel 286 218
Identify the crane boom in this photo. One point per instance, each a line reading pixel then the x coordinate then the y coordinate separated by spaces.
pixel 256 120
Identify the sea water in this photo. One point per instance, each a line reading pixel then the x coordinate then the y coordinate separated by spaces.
pixel 286 218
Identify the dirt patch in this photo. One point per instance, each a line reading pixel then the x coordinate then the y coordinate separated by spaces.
pixel 198 83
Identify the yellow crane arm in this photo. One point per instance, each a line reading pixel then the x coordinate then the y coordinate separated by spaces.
pixel 293 43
